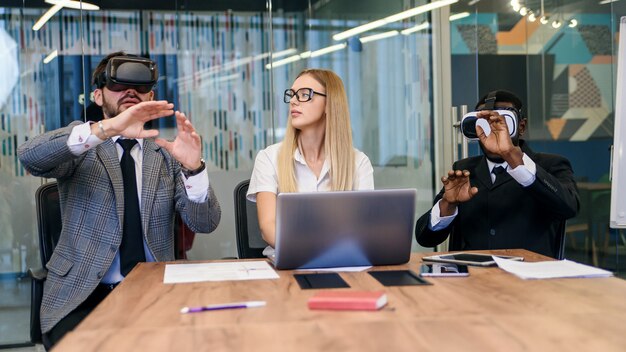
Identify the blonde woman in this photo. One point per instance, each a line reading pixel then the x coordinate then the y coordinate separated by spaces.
pixel 316 154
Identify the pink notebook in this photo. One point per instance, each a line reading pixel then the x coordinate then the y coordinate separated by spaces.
pixel 348 300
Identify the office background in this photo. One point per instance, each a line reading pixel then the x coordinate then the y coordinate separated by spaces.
pixel 226 64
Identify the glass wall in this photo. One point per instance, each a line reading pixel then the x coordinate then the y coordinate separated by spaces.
pixel 391 110
pixel 560 57
pixel 224 65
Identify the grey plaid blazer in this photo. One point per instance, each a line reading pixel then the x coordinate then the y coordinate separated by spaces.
pixel 92 205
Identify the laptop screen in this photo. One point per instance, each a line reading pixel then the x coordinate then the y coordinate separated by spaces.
pixel 335 229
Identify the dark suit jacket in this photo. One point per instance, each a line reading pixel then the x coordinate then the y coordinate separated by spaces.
pixel 507 215
pixel 91 192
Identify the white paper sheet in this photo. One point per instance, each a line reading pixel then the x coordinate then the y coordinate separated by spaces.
pixel 243 270
pixel 550 269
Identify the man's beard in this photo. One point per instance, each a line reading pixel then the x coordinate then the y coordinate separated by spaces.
pixel 496 158
pixel 111 109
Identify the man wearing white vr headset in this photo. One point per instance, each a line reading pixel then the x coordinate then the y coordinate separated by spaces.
pixel 119 188
pixel 510 197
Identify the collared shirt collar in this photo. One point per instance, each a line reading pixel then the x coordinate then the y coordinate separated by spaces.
pixel 491 165
pixel 139 141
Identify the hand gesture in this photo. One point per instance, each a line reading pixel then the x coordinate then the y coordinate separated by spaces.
pixel 499 140
pixel 130 122
pixel 187 147
pixel 457 189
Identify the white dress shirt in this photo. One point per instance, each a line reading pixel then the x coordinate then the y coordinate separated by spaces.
pixel 197 187
pixel 265 174
pixel 525 174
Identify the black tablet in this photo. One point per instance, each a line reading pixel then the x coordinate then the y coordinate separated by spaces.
pixel 398 278
pixel 476 259
pixel 320 280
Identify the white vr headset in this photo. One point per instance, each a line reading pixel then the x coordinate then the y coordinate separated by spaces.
pixel 470 121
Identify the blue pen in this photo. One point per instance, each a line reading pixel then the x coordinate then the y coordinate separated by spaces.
pixel 235 305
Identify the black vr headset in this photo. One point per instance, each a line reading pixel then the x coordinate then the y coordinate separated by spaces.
pixel 470 121
pixel 123 72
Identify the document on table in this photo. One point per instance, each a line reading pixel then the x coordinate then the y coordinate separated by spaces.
pixel 227 271
pixel 550 269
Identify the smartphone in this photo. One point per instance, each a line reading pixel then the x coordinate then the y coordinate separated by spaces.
pixel 477 259
pixel 444 270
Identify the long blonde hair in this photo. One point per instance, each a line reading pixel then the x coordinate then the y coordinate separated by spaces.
pixel 337 141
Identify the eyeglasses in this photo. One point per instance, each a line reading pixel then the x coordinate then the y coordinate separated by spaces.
pixel 303 94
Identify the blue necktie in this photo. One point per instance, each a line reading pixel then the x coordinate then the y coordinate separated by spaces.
pixel 131 249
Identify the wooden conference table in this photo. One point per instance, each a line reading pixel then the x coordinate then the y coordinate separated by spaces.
pixel 490 310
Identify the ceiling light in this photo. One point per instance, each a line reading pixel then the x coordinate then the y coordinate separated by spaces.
pixel 604 2
pixel 51 56
pixel 263 56
pixel 544 20
pixel 72 4
pixel 572 23
pixel 516 7
pixel 284 52
pixel 393 18
pixel 328 49
pixel 532 17
pixel 458 16
pixel 419 27
pixel 378 36
pixel 48 14
pixel 523 11
pixel 556 24
pixel 57 5
pixel 360 29
pixel 288 60
pixel 418 10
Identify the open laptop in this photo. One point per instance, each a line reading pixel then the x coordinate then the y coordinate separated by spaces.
pixel 337 229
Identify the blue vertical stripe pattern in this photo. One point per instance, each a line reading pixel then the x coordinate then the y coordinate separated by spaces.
pixel 211 66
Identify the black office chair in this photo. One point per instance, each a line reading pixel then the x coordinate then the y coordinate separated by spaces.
pixel 250 243
pixel 559 245
pixel 183 238
pixel 49 225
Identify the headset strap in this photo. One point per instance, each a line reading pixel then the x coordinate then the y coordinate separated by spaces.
pixel 490 101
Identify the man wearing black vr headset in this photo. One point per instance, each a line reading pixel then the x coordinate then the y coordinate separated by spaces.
pixel 510 197
pixel 111 221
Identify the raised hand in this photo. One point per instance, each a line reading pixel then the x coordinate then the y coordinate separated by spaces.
pixel 457 189
pixel 499 140
pixel 130 122
pixel 187 147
